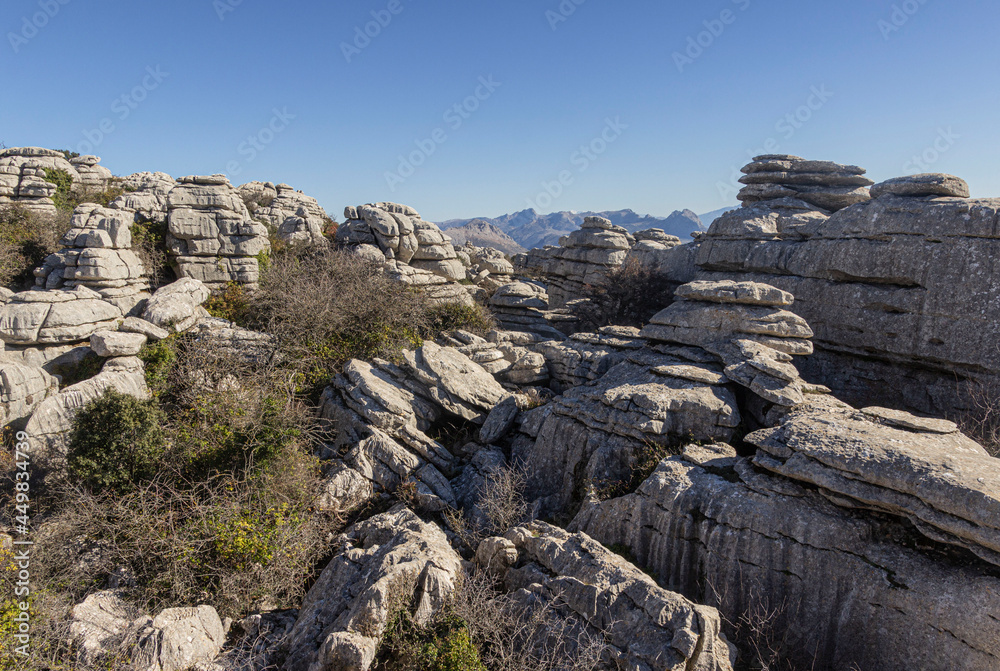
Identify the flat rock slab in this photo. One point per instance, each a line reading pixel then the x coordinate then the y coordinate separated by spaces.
pixel 928 184
pixel 114 343
pixel 944 482
pixel 728 291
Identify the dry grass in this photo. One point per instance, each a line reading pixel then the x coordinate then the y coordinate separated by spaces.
pixel 982 421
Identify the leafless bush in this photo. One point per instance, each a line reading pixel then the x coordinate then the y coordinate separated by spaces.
pixel 630 295
pixel 982 421
pixel 327 306
pixel 26 238
pixel 502 499
pixel 510 637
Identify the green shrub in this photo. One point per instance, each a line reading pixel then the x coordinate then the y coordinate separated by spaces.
pixel 149 242
pixel 444 645
pixel 116 442
pixel 159 359
pixel 67 197
pixel 232 303
pixel 63 197
pixel 455 316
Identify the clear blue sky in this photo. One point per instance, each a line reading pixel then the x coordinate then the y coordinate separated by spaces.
pixel 681 130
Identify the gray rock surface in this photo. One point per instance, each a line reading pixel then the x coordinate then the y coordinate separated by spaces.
pixel 22 389
pixel 824 185
pixel 211 236
pixel 644 625
pixel 177 306
pixel 840 588
pixel 925 185
pixel 390 561
pixel 55 317
pixel 115 343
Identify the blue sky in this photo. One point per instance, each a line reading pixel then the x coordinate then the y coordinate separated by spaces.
pixel 572 105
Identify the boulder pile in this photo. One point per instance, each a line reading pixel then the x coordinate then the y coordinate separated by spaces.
pixel 146 195
pixel 211 236
pixel 793 183
pixel 401 235
pixel 487 267
pixel 23 178
pixel 524 306
pixel 297 218
pixel 92 176
pixel 583 259
pixel 97 254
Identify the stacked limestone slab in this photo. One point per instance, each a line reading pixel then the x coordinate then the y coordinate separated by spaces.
pixel 93 176
pixel 524 306
pixel 22 177
pixel 97 254
pixel 298 218
pixel 401 235
pixel 146 195
pixel 211 236
pixel 583 259
pixel 902 290
pixel 487 267
pixel 791 182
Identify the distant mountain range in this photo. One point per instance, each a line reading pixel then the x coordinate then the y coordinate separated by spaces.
pixel 709 217
pixel 528 228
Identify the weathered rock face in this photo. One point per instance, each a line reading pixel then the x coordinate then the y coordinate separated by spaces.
pixel 645 626
pixel 55 317
pixel 902 292
pixel 177 306
pixel 298 218
pixel 487 267
pixel 93 176
pixel 384 412
pixel 52 419
pixel 22 389
pixel 388 562
pixel 593 435
pixel 146 195
pixel 501 357
pixel 97 254
pixel 584 357
pixel 400 233
pixel 842 588
pixel 177 639
pixel 524 306
pixel 820 185
pixel 945 484
pixel 435 287
pixel 211 236
pixel 583 258
pixel 22 177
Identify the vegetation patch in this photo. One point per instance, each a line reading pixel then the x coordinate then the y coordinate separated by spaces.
pixel 631 294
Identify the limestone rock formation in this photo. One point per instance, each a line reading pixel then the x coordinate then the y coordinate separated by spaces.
pixel 400 233
pixel 389 561
pixel 211 236
pixel 501 357
pixel 585 357
pixel 488 267
pixel 93 176
pixel 55 317
pixel 841 589
pixel 524 306
pixel 114 343
pixel 892 462
pixel 823 185
pixel 177 639
pixel 434 286
pixel 297 218
pixel 644 625
pixel 146 195
pixel 583 258
pixel 97 254
pixel 901 291
pixel 177 306
pixel 22 389
pixel 930 185
pixel 23 179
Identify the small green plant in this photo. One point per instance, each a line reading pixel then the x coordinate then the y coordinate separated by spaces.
pixel 116 442
pixel 160 358
pixel 233 303
pixel 455 316
pixel 444 645
pixel 149 242
pixel 63 197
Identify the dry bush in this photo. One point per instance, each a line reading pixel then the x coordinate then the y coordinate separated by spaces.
pixel 630 295
pixel 502 503
pixel 26 239
pixel 982 421
pixel 149 242
pixel 326 307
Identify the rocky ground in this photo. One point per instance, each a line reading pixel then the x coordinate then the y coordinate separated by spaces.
pixel 762 474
